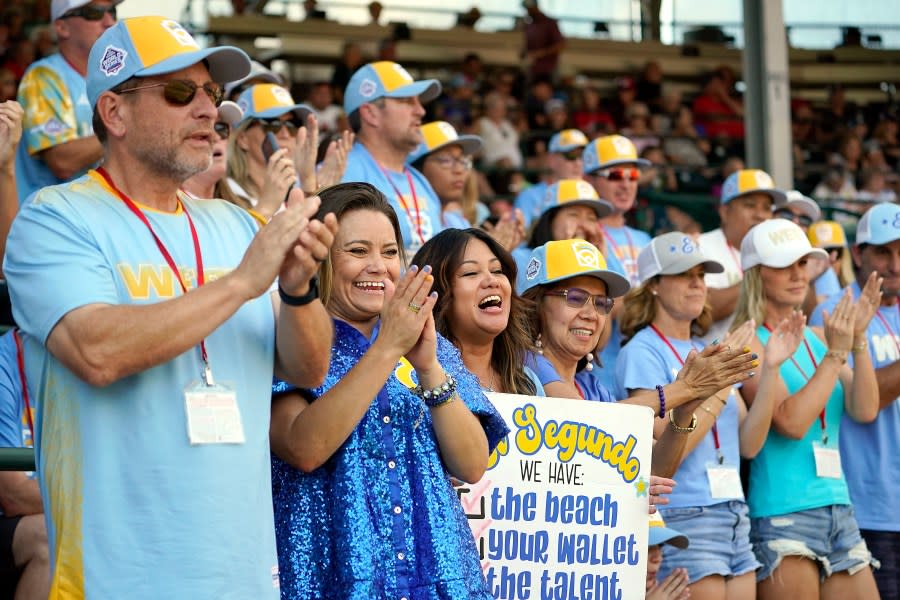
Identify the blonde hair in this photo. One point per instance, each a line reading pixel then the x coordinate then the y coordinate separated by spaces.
pixel 239 167
pixel 846 275
pixel 751 302
pixel 470 199
pixel 639 310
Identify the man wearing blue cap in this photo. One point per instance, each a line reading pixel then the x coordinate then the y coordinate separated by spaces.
pixel 384 105
pixel 150 339
pixel 869 451
pixel 58 142
pixel 563 161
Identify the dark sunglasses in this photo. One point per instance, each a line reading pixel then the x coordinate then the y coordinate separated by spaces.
pixel 577 297
pixel 181 92
pixel 91 12
pixel 223 129
pixel 801 220
pixel 572 155
pixel 620 174
pixel 273 126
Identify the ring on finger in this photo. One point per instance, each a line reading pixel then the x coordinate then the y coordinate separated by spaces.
pixel 414 307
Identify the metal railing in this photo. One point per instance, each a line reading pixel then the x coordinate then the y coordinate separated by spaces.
pixel 17 459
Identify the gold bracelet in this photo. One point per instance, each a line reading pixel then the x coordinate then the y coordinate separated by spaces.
pixel 678 428
pixel 841 355
pixel 725 401
pixel 709 410
pixel 861 346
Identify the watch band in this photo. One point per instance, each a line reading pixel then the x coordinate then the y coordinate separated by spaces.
pixel 303 300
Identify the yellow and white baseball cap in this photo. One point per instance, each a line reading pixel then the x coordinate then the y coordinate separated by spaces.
pixel 827 234
pixel 565 259
pixel 574 192
pixel 611 151
pixel 146 46
pixel 748 181
pixel 567 140
pixel 270 101
pixel 777 243
pixel 386 79
pixel 660 534
pixel 439 134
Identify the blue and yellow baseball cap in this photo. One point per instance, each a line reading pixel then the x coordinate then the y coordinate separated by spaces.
pixel 573 192
pixel 146 46
pixel 611 151
pixel 439 134
pixel 564 259
pixel 827 235
pixel 879 225
pixel 269 101
pixel 660 534
pixel 386 79
pixel 749 181
pixel 567 140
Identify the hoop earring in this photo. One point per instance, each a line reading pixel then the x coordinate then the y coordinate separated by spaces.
pixel 539 345
pixel 590 361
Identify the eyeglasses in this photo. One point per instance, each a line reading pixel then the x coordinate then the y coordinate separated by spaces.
pixel 577 297
pixel 785 213
pixel 223 129
pixel 620 174
pixel 91 12
pixel 274 126
pixel 572 155
pixel 448 162
pixel 181 92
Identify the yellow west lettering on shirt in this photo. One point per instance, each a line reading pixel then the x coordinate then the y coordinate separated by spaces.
pixel 149 281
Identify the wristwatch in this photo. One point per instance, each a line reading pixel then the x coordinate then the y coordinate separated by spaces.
pixel 679 429
pixel 303 300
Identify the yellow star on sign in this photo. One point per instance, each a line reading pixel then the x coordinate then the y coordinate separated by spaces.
pixel 641 487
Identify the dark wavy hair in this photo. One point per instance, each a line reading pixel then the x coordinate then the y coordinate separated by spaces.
pixel 343 198
pixel 444 252
pixel 542 231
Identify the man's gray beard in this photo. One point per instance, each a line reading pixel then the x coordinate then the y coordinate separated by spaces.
pixel 167 165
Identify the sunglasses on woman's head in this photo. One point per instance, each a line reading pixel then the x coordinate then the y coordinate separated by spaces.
pixel 785 213
pixel 577 297
pixel 181 92
pixel 620 174
pixel 274 126
pixel 91 12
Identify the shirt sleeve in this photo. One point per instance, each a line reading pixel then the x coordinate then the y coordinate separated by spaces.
pixel 54 264
pixel 10 395
pixel 827 283
pixel 638 367
pixel 50 118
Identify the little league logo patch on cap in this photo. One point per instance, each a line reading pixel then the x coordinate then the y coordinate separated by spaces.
pixel 533 268
pixel 113 61
pixel 687 246
pixel 282 95
pixel 585 255
pixel 763 180
pixel 367 88
pixel 622 145
pixel 447 130
pixel 584 189
pixel 403 72
pixel 244 105
pixel 824 233
pixel 180 34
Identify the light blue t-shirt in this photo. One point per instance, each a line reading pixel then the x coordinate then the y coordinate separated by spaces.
pixel 450 219
pixel 827 283
pixel 869 452
pixel 783 475
pixel 15 431
pixel 133 509
pixel 57 110
pixel 418 225
pixel 625 243
pixel 645 362
pixel 585 380
pixel 531 202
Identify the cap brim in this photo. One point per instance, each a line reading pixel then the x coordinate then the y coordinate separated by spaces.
pixel 616 285
pixel 225 63
pixel 601 207
pixel 816 254
pixel 470 144
pixel 230 113
pixel 640 162
pixel 427 90
pixel 686 262
pixel 567 148
pixel 664 535
pixel 300 110
pixel 778 197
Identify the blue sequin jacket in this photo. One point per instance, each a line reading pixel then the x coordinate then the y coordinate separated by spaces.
pixel 380 518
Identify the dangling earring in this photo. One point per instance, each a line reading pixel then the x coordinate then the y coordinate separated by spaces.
pixel 539 345
pixel 590 361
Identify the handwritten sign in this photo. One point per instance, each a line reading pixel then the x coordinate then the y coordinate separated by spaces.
pixel 561 513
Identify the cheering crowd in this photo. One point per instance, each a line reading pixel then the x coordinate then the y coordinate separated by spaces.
pixel 151 320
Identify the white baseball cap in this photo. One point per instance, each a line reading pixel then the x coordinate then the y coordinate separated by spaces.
pixel 60 7
pixel 777 243
pixel 880 225
pixel 671 254
pixel 807 205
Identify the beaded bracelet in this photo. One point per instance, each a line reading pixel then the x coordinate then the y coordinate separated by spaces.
pixel 439 395
pixel 841 355
pixel 662 401
pixel 861 346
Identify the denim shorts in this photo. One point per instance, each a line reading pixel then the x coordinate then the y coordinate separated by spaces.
pixel 828 535
pixel 720 541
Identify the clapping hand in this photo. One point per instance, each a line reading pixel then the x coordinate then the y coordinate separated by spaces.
pixel 715 368
pixel 839 325
pixel 335 163
pixel 11 114
pixel 867 305
pixel 407 325
pixel 306 151
pixel 784 339
pixel 280 177
pixel 509 230
pixel 673 587
pixel 742 336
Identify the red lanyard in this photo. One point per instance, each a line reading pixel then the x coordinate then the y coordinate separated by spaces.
pixel 715 428
pixel 615 247
pixel 168 257
pixel 807 377
pixel 888 327
pixel 20 359
pixel 412 189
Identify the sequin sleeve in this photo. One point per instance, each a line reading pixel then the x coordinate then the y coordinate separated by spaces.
pixel 470 392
